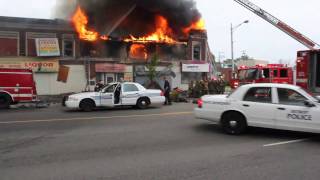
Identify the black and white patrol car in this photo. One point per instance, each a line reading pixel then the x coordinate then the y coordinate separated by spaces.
pixel 116 94
pixel 278 106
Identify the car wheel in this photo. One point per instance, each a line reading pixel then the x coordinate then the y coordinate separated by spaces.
pixel 233 123
pixel 87 105
pixel 143 103
pixel 4 102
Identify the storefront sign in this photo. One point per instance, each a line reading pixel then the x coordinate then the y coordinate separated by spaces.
pixel 196 67
pixel 47 47
pixel 111 68
pixel 35 65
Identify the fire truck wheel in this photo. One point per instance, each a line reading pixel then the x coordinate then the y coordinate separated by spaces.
pixel 233 123
pixel 4 101
pixel 87 105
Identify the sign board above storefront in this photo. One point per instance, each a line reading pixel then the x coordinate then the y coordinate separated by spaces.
pixel 47 47
pixel 110 68
pixel 196 67
pixel 49 65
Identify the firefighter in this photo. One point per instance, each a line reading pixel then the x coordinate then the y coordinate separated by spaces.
pixel 98 86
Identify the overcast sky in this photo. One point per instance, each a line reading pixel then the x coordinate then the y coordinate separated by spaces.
pixel 258 39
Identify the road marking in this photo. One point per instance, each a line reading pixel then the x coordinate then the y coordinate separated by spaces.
pixel 92 118
pixel 286 142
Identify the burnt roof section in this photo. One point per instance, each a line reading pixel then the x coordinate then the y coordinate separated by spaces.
pixel 33 23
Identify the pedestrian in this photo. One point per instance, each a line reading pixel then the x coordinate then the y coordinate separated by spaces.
pixel 167 90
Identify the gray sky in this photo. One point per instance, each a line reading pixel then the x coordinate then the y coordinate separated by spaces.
pixel 258 39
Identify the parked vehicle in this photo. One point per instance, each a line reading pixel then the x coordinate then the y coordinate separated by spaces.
pixel 116 94
pixel 271 73
pixel 16 86
pixel 279 106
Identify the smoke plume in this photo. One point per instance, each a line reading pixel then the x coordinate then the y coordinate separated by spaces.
pixel 107 15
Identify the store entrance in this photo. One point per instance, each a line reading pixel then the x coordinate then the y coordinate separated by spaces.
pixel 107 78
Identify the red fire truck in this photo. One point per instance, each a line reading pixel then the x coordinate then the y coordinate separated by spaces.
pixel 308 70
pixel 308 61
pixel 16 85
pixel 271 73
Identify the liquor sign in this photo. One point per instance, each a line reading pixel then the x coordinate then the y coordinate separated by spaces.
pixel 51 65
pixel 47 47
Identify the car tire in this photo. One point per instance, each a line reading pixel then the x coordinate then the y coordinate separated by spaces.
pixel 234 123
pixel 87 105
pixel 4 102
pixel 143 103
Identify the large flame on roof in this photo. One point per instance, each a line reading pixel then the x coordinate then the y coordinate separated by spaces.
pixel 80 21
pixel 198 25
pixel 162 34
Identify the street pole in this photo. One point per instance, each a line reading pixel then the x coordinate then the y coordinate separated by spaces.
pixel 232 55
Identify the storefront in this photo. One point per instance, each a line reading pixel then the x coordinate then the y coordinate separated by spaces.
pixel 108 72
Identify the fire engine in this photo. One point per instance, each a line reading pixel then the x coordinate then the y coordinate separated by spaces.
pixel 271 73
pixel 308 61
pixel 16 85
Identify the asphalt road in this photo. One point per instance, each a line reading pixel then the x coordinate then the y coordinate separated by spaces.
pixel 158 143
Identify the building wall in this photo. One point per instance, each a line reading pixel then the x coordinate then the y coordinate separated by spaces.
pixel 47 83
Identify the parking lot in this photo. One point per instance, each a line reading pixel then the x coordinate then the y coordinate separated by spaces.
pixel 157 143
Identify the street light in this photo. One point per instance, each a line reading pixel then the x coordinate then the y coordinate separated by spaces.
pixel 232 54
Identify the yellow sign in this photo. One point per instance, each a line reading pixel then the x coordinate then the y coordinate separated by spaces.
pixel 47 47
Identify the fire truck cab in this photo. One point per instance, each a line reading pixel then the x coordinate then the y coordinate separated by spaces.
pixel 271 73
pixel 308 70
pixel 16 85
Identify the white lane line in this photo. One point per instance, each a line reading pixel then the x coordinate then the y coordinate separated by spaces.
pixel 93 118
pixel 286 142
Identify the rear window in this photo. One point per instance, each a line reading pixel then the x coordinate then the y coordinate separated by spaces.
pixel 258 94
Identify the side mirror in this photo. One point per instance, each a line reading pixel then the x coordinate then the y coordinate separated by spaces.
pixel 309 104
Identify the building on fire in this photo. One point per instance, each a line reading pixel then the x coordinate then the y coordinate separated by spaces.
pixel 63 62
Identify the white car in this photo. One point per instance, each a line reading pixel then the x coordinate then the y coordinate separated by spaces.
pixel 116 94
pixel 278 106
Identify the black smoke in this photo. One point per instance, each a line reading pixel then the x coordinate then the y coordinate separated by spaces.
pixel 104 14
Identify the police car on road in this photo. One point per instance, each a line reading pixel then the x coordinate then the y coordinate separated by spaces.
pixel 278 106
pixel 116 94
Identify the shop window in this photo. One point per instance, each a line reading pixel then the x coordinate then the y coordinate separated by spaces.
pixel 9 43
pixel 68 48
pixel 31 41
pixel 196 52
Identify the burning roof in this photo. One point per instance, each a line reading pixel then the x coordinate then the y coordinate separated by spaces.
pixel 139 21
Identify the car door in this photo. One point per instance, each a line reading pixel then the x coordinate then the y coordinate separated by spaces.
pixel 130 94
pixel 258 107
pixel 107 96
pixel 293 113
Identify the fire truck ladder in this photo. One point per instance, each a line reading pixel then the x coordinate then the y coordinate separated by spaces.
pixel 279 24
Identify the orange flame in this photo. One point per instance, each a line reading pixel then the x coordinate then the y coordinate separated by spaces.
pixel 198 25
pixel 138 51
pixel 161 35
pixel 80 21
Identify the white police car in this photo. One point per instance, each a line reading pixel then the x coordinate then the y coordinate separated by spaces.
pixel 116 94
pixel 278 106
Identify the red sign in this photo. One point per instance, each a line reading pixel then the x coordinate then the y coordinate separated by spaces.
pixel 110 68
